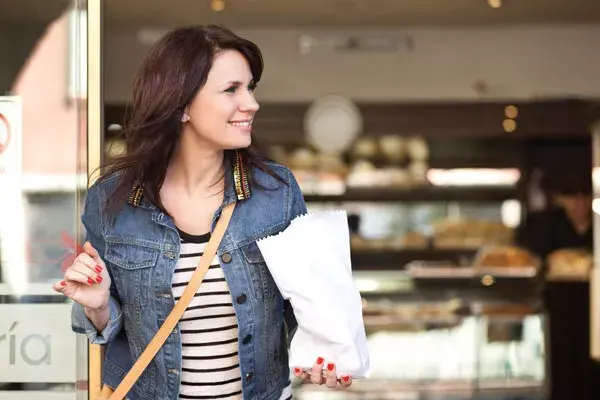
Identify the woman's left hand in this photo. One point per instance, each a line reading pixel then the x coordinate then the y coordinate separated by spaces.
pixel 315 375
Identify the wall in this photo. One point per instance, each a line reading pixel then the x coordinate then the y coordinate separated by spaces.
pixel 515 62
pixel 16 44
pixel 53 140
pixel 7 67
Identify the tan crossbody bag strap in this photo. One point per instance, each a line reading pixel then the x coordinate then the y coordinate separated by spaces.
pixel 171 322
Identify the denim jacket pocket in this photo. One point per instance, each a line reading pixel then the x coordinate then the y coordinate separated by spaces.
pixel 131 253
pixel 132 261
pixel 261 277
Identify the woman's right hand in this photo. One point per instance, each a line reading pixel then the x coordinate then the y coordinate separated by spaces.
pixel 87 281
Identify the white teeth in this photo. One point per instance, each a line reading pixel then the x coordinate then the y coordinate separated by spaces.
pixel 241 124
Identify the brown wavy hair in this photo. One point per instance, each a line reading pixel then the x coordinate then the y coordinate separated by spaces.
pixel 167 81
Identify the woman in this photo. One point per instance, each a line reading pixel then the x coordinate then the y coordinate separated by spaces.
pixel 150 215
pixel 566 224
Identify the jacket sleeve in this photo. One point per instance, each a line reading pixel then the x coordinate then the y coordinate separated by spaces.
pixel 296 207
pixel 91 219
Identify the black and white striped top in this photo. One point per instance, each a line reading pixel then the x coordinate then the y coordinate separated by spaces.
pixel 209 330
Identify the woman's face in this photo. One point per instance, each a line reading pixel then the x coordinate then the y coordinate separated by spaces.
pixel 222 112
pixel 577 206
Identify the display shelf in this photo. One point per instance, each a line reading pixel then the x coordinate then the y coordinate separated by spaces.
pixel 396 259
pixel 419 194
pixel 376 389
pixel 419 270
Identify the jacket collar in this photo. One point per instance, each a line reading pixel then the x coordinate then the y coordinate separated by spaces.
pixel 237 185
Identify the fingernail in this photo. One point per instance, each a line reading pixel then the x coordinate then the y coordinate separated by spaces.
pixel 98 279
pixel 298 371
pixel 320 360
pixel 330 366
pixel 345 378
pixel 98 269
pixel 63 283
pixel 91 281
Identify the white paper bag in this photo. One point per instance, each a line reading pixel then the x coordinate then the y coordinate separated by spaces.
pixel 311 265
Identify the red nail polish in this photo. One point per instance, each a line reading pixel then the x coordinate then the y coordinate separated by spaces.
pixel 91 281
pixel 345 378
pixel 320 360
pixel 63 283
pixel 297 371
pixel 98 279
pixel 98 269
pixel 330 366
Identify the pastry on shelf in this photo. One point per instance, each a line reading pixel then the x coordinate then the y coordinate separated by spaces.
pixel 362 174
pixel 365 148
pixel 378 243
pixel 437 309
pixel 302 162
pixel 417 149
pixel 302 159
pixel 330 174
pixel 570 263
pixel 357 242
pixel 470 234
pixel 505 257
pixel 362 166
pixel 394 177
pixel 393 148
pixel 415 240
pixel 418 172
pixel 331 163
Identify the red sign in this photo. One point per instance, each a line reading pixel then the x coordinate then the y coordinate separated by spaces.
pixel 72 250
pixel 67 244
pixel 5 133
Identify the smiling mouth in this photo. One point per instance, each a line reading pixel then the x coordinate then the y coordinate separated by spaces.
pixel 241 124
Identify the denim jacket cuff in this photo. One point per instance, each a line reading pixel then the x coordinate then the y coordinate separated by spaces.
pixel 82 324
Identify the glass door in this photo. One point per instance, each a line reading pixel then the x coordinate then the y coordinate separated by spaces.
pixel 43 179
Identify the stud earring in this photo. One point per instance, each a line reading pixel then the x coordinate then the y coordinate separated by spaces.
pixel 185 118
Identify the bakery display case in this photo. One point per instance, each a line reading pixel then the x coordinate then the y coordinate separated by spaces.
pixel 449 341
pixel 452 307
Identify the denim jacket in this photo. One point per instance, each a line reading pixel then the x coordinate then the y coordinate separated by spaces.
pixel 140 250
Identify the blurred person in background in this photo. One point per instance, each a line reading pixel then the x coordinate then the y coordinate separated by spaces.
pixel 566 224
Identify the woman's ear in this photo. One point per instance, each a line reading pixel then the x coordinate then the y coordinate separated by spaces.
pixel 185 117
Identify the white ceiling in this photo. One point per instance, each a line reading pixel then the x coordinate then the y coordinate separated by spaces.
pixel 351 13
pixel 316 13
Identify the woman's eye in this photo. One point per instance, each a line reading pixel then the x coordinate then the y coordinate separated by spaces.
pixel 231 89
pixel 251 88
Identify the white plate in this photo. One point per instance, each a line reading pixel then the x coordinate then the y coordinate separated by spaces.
pixel 332 123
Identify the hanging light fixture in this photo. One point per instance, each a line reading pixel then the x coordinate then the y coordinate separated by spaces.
pixel 217 5
pixel 495 3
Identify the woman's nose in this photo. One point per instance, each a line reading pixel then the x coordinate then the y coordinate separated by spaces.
pixel 249 104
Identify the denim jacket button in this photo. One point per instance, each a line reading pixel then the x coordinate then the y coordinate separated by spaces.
pixel 226 257
pixel 249 376
pixel 247 339
pixel 241 299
